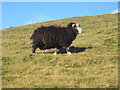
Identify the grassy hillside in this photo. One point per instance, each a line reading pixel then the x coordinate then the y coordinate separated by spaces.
pixel 93 63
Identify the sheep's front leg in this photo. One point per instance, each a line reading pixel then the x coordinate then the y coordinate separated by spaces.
pixel 56 51
pixel 68 51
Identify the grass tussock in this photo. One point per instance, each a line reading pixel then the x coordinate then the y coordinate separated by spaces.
pixel 93 63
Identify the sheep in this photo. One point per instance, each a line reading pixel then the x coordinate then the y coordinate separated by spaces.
pixel 54 37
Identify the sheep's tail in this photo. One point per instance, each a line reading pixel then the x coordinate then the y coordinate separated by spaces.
pixel 31 41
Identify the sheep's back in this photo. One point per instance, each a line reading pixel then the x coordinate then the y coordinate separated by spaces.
pixel 52 36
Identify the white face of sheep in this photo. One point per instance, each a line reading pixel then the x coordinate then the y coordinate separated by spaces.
pixel 77 26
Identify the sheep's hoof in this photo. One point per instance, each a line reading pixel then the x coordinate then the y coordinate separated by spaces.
pixel 69 53
pixel 43 51
pixel 55 53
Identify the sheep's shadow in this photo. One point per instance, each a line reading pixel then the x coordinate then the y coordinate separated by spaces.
pixel 72 50
pixel 79 49
pixel 75 49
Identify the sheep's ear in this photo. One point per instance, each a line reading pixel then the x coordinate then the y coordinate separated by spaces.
pixel 73 25
pixel 70 25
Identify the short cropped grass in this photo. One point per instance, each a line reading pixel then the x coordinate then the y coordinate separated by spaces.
pixel 93 63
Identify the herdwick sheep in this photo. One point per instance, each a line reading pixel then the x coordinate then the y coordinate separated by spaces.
pixel 54 37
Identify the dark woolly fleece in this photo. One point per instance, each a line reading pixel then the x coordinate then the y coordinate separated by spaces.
pixel 53 37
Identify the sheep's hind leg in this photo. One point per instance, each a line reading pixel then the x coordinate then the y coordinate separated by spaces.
pixel 56 51
pixel 33 50
pixel 68 51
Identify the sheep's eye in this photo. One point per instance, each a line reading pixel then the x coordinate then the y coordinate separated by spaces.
pixel 74 25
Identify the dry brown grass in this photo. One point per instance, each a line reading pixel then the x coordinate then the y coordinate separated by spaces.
pixel 93 63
